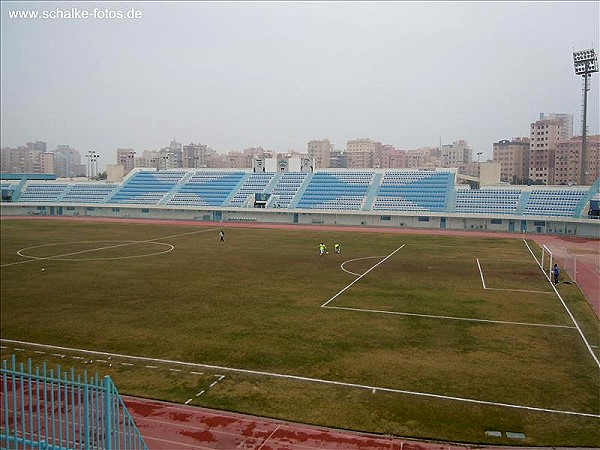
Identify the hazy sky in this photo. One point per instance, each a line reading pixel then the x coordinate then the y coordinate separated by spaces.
pixel 278 74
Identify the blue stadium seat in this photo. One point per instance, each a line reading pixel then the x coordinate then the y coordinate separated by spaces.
pixel 336 190
pixel 414 191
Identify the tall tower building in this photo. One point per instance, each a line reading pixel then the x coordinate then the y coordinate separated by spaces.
pixel 67 162
pixel 544 137
pixel 513 156
pixel 197 155
pixel 567 124
pixel 320 151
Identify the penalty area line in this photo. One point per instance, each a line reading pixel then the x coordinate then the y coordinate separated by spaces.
pixel 310 380
pixel 465 319
pixel 503 289
pixel 354 281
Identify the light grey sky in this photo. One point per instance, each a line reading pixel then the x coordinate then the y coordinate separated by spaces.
pixel 278 74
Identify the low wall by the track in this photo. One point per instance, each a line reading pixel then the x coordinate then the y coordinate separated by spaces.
pixel 564 226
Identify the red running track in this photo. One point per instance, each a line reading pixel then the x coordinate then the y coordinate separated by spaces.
pixel 168 426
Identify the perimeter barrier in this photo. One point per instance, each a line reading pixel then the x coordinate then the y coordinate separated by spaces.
pixel 54 410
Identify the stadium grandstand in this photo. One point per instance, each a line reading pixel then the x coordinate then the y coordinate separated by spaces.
pixel 375 197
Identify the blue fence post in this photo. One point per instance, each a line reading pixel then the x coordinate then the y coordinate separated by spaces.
pixel 73 422
pixel 38 417
pixel 86 412
pixel 22 398
pixel 45 404
pixel 107 413
pixel 5 397
pixel 30 403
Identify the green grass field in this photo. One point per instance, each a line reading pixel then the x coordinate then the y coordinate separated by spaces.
pixel 415 347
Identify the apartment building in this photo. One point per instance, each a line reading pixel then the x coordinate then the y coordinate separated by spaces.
pixel 67 162
pixel 362 153
pixel 392 158
pixel 566 131
pixel 426 157
pixel 513 157
pixel 544 137
pixel 126 158
pixel 568 161
pixel 320 152
pixel 196 155
pixel 456 154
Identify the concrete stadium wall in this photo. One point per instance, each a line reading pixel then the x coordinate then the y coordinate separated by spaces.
pixel 506 223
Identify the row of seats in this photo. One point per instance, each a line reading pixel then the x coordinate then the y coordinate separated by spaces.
pixel 406 191
pixel 146 187
pixel 45 192
pixel 256 183
pixel 560 202
pixel 94 193
pixel 287 188
pixel 207 189
pixel 353 190
pixel 336 190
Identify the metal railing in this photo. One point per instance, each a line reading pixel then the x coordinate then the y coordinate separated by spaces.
pixel 54 410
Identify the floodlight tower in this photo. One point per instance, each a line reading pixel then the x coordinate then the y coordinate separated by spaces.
pixel 586 63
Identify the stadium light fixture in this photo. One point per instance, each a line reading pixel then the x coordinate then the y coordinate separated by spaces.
pixel 92 157
pixel 586 63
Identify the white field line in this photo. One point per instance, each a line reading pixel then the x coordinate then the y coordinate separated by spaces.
pixel 59 258
pixel 431 316
pixel 481 274
pixel 307 379
pixel 502 289
pixel 105 248
pixel 269 437
pixel 587 344
pixel 357 259
pixel 354 281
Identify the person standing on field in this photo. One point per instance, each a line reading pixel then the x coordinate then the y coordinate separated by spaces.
pixel 322 248
pixel 556 273
pixel 222 236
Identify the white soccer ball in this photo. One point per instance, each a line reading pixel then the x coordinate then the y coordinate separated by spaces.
pixel 43 269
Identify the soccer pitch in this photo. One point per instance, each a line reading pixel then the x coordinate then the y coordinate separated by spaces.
pixel 436 337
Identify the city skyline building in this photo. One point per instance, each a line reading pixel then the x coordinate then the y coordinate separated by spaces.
pixel 320 151
pixel 544 137
pixel 196 155
pixel 569 158
pixel 67 162
pixel 126 158
pixel 513 156
pixel 566 132
pixel 456 154
pixel 361 153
